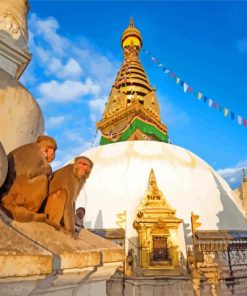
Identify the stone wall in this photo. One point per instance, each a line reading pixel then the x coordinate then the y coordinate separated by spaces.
pixel 146 286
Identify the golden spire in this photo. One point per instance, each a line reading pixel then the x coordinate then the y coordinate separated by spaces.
pixel 132 96
pixel 244 176
pixel 131 24
pixel 153 190
pixel 154 197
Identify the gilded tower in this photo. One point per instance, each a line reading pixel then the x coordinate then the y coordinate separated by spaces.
pixel 132 111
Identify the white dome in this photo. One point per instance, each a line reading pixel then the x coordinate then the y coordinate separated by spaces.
pixel 120 176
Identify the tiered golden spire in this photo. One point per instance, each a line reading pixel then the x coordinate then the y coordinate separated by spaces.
pixel 131 92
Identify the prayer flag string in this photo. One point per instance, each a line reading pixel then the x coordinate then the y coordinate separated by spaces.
pixel 189 89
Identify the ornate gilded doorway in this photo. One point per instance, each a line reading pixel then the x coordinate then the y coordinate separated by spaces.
pixel 160 250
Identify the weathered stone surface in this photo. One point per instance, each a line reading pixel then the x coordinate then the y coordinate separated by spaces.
pixel 14 53
pixel 20 256
pixel 74 264
pixel 21 119
pixel 87 281
pixel 88 250
pixel 3 165
pixel 13 18
pixel 9 287
pixel 110 251
pixel 157 286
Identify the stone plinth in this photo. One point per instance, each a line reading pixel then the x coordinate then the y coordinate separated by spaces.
pixel 21 257
pixel 36 259
pixel 149 285
pixel 88 250
pixel 21 120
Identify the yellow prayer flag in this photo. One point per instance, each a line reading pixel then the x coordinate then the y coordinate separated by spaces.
pixel 121 222
pixel 226 111
pixel 199 96
pixel 177 80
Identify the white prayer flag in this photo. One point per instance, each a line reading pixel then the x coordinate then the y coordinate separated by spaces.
pixel 186 86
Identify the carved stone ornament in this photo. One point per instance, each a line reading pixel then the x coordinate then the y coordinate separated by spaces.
pixel 13 18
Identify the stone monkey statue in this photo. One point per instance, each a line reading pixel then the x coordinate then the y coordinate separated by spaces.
pixel 65 186
pixel 26 186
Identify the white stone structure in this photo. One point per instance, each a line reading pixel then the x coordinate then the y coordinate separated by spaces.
pixel 21 119
pixel 119 180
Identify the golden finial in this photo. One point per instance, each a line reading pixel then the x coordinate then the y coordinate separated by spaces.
pixel 244 176
pixel 131 24
pixel 153 187
pixel 131 35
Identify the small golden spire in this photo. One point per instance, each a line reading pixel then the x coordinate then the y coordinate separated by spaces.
pixel 244 176
pixel 131 24
pixel 153 187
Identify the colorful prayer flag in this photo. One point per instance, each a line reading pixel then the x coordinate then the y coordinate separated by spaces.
pixel 239 119
pixel 188 88
pixel 185 87
pixel 226 111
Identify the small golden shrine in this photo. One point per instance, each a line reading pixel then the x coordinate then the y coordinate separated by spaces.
pixel 157 227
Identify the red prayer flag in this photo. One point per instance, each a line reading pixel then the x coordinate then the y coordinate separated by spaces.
pixel 245 122
pixel 215 105
pixel 190 89
pixel 171 74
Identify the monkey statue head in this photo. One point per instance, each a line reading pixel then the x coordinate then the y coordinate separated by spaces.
pixel 47 146
pixel 83 167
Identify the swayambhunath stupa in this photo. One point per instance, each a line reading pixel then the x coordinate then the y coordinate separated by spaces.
pixel 159 219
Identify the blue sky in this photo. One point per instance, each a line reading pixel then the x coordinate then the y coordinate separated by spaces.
pixel 76 55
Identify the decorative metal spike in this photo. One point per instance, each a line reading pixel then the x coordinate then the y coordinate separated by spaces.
pixel 131 24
